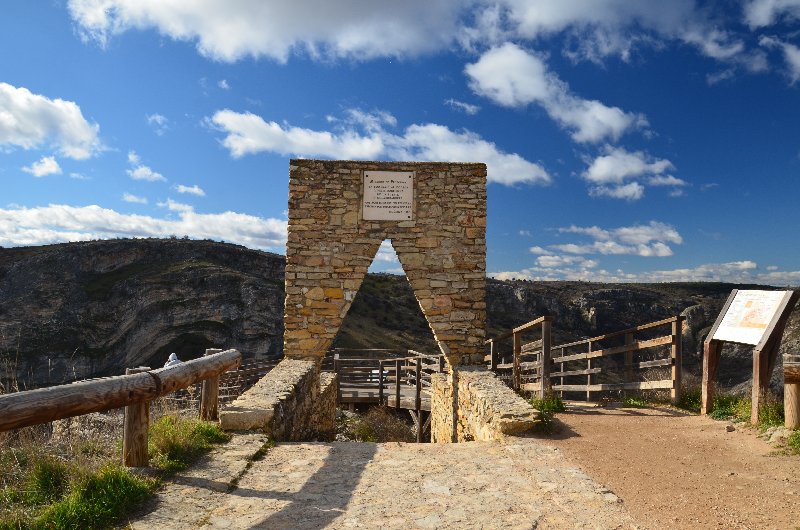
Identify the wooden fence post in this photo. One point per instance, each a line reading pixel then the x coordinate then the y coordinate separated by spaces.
pixel 677 361
pixel 134 431
pixel 209 393
pixel 628 373
pixel 791 391
pixel 380 382
pixel 492 356
pixel 397 385
pixel 418 399
pixel 546 384
pixel 517 376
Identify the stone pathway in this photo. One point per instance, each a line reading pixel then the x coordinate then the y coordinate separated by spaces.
pixel 524 484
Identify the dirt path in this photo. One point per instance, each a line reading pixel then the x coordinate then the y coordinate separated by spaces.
pixel 683 471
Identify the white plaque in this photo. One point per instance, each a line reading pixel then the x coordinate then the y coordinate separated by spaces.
pixel 388 196
pixel 748 316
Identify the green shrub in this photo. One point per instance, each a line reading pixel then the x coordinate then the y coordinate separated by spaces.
pixel 47 481
pixel 636 402
pixel 97 501
pixel 548 407
pixel 174 442
pixel 794 442
pixel 690 399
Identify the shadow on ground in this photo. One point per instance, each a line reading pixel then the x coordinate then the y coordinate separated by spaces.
pixel 324 495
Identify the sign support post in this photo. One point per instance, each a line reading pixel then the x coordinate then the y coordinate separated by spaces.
pixel 757 318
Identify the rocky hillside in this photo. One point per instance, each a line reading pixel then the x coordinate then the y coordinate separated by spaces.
pixel 81 309
pixel 95 308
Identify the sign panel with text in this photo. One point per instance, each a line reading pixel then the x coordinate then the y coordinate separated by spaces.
pixel 388 196
pixel 748 316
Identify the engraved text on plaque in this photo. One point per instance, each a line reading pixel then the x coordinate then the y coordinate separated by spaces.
pixel 388 196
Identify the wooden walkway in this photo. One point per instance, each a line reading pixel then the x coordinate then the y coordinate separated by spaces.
pixel 398 379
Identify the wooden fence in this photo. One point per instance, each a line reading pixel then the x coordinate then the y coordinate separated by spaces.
pixel 645 357
pixel 134 391
pixel 527 361
pixel 388 377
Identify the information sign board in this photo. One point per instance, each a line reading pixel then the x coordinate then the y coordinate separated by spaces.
pixel 748 316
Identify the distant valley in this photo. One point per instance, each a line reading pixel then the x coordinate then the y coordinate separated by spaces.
pixel 85 309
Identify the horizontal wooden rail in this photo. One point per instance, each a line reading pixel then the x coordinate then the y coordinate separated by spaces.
pixel 32 407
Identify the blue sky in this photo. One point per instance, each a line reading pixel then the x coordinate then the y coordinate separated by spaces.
pixel 626 140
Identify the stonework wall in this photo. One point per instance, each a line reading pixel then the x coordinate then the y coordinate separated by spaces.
pixel 288 404
pixel 330 247
pixel 473 404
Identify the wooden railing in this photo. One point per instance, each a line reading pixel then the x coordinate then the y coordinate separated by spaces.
pixel 134 391
pixel 527 362
pixel 604 363
pixel 232 384
pixel 387 377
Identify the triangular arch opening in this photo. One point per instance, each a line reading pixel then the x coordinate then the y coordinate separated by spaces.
pixel 385 313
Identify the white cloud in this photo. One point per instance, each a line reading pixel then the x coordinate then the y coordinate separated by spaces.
pixel 229 31
pixel 140 171
pixel 158 122
pixel 223 84
pixel 47 165
pixel 324 30
pixel 603 28
pixel 650 240
pixel 791 55
pixel 129 197
pixel 666 180
pixel 60 223
pixel 610 171
pixel 78 176
pixel 438 143
pixel 537 250
pixel 525 233
pixel 192 190
pixel 761 13
pixel 31 121
pixel 513 77
pixel 248 133
pixel 618 165
pixel 745 271
pixel 466 108
pixel 633 191
pixel 555 261
pixel 145 173
pixel 175 206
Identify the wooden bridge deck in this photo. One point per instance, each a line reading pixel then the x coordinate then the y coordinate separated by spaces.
pixel 359 395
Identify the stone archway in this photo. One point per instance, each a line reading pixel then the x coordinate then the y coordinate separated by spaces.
pixel 340 212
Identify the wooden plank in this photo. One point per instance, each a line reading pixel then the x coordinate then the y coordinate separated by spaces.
pixel 534 346
pixel 618 333
pixel 530 387
pixel 616 350
pixel 653 364
pixel 643 385
pixel 577 372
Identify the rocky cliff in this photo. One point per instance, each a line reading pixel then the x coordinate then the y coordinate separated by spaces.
pixel 94 308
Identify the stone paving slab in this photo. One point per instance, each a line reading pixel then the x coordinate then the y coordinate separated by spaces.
pixel 478 485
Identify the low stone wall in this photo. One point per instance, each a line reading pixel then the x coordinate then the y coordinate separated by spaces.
pixel 324 416
pixel 288 404
pixel 473 404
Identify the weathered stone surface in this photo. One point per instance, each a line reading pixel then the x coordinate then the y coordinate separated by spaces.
pixel 292 402
pixel 517 485
pixel 441 251
pixel 473 404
